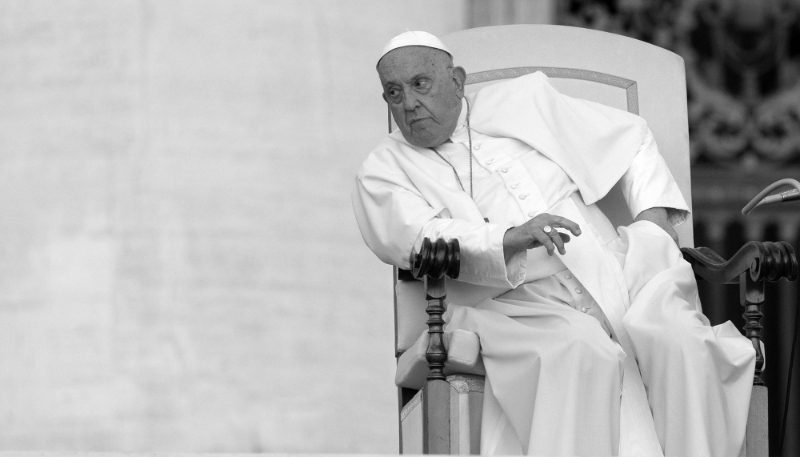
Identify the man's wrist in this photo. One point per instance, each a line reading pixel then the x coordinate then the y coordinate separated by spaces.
pixel 511 242
pixel 660 217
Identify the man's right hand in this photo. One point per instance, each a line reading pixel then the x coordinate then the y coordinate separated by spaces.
pixel 532 234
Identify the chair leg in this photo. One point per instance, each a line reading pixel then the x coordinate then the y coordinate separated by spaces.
pixel 756 441
pixel 462 435
pixel 436 417
pixel 466 408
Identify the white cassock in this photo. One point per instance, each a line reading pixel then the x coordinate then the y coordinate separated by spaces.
pixel 597 352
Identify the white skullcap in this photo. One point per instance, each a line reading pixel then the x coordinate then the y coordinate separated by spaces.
pixel 418 38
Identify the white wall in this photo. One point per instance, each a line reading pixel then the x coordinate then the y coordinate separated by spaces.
pixel 179 265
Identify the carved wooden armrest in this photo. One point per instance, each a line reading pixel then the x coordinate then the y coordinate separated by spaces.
pixel 753 265
pixel 765 260
pixel 434 262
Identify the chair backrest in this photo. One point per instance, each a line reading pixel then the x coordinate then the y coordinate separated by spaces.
pixel 610 69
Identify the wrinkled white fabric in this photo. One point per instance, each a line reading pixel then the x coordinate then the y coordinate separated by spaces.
pixel 558 376
pixel 698 377
pixel 554 376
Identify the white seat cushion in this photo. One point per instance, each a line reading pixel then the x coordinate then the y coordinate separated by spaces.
pixel 410 316
pixel 463 356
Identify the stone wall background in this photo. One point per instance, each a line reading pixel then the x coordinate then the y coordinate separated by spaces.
pixel 179 265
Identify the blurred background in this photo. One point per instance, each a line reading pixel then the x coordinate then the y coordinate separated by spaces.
pixel 180 269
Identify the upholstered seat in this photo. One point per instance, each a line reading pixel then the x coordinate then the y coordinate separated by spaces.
pixel 463 356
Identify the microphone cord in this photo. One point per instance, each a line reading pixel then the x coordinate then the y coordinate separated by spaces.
pixel 757 199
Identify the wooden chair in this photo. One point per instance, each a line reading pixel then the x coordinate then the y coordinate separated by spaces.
pixel 440 398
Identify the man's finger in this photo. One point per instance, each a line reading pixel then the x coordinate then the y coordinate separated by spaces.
pixel 546 241
pixel 537 244
pixel 563 222
pixel 556 237
pixel 559 239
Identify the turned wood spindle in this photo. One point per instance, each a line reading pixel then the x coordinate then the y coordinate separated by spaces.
pixel 434 263
pixel 436 354
pixel 751 295
pixel 753 265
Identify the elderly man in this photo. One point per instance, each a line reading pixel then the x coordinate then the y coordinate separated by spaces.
pixel 592 342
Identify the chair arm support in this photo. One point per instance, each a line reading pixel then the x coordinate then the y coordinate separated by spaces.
pixel 764 260
pixel 436 261
pixel 753 265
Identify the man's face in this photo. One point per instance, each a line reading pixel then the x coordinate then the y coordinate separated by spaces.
pixel 424 93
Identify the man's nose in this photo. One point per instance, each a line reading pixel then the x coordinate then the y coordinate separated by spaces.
pixel 410 100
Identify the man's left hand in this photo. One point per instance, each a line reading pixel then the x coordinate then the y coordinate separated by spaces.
pixel 658 216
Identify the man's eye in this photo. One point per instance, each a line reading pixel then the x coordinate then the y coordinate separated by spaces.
pixel 394 95
pixel 422 84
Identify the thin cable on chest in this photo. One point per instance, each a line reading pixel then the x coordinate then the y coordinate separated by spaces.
pixel 455 173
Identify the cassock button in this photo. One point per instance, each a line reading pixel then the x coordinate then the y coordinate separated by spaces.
pixel 477 146
pixel 578 290
pixel 515 185
pixel 568 276
pixel 523 196
pixel 504 170
pixel 488 162
pixel 531 214
pixel 584 309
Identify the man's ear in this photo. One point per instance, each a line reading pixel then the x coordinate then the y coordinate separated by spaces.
pixel 383 95
pixel 460 78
